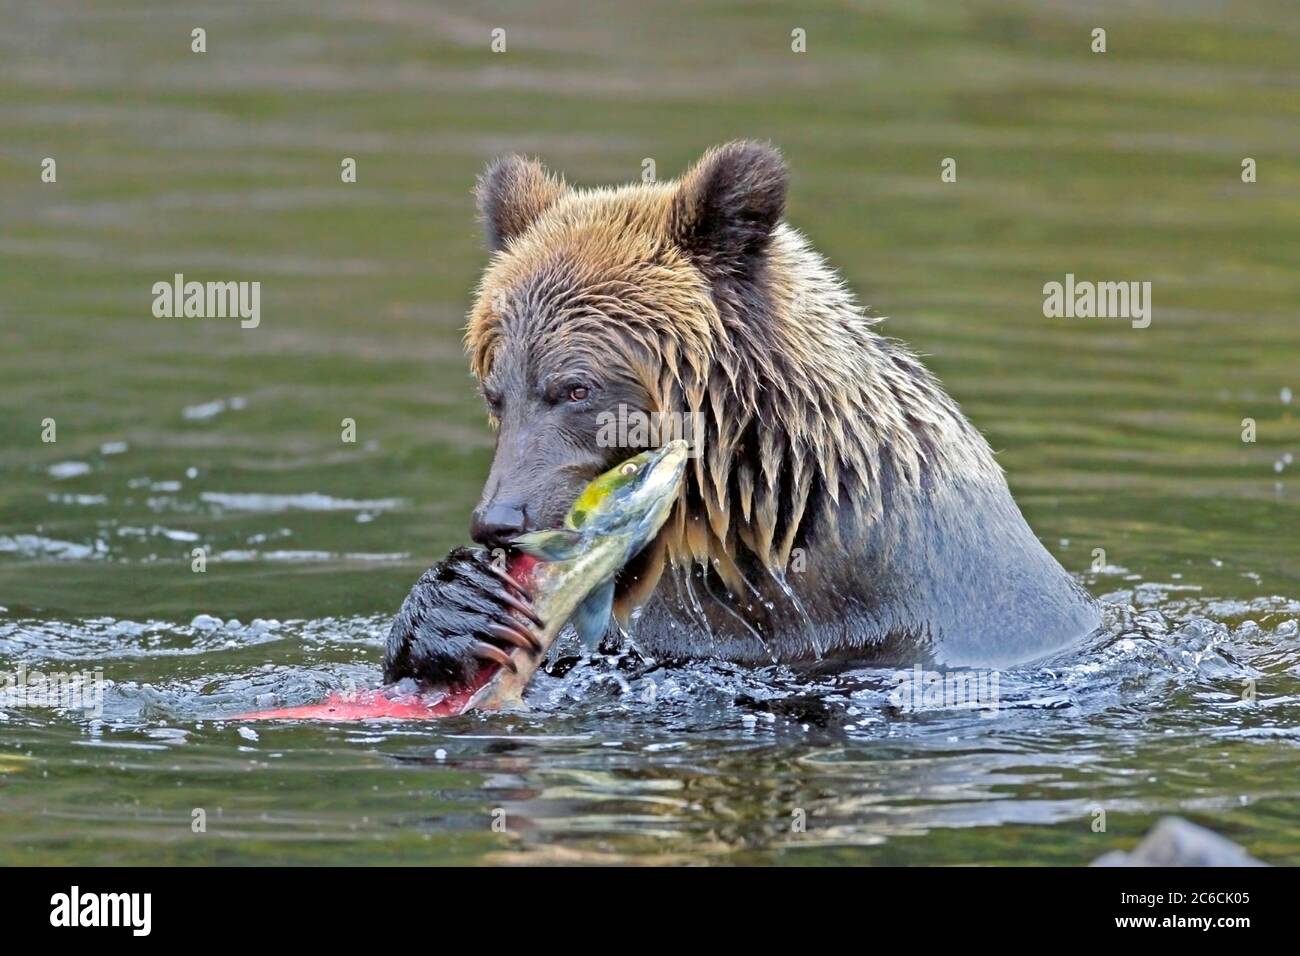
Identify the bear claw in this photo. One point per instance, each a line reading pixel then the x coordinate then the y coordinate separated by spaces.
pixel 518 636
pixel 489 652
pixel 508 599
pixel 504 576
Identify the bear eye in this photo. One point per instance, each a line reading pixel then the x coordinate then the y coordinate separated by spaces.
pixel 493 399
pixel 629 468
pixel 578 393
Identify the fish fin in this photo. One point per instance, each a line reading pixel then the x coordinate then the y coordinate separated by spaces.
pixel 591 619
pixel 558 545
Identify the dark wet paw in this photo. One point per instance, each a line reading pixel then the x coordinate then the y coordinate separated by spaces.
pixel 463 614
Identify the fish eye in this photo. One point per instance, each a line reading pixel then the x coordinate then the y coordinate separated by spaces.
pixel 629 468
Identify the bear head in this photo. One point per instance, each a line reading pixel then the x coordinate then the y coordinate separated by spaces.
pixel 607 309
pixel 689 304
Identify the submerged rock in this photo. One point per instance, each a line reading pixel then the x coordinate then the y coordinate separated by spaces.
pixel 1177 842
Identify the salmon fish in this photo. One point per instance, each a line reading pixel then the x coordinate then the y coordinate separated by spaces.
pixel 570 573
pixel 616 516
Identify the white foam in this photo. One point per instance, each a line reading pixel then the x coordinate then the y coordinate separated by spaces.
pixel 68 469
pixel 310 501
pixel 206 410
pixel 35 546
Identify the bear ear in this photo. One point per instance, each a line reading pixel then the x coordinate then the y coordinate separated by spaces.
pixel 512 192
pixel 728 204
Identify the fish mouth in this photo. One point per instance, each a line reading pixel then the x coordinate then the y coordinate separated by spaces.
pixel 667 466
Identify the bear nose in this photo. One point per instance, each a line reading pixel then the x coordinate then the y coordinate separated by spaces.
pixel 496 524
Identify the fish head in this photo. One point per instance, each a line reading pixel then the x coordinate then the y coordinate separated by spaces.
pixel 634 497
pixel 630 501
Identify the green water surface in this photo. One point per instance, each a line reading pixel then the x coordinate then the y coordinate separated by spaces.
pixel 225 165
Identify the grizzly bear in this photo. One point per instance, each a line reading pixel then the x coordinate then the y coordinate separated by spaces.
pixel 840 507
